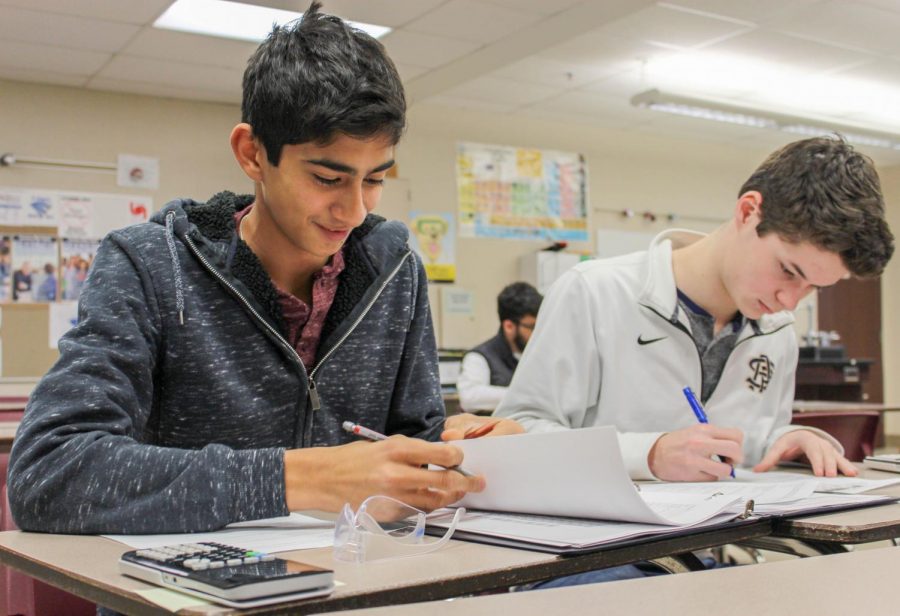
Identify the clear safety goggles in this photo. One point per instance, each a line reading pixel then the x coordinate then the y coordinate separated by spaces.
pixel 385 528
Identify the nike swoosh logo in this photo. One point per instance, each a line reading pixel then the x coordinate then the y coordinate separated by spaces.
pixel 642 342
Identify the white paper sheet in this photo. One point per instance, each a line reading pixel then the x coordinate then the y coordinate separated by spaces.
pixel 293 532
pixel 574 473
pixel 833 485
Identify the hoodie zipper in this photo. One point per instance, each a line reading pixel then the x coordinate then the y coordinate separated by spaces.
pixel 679 325
pixel 315 403
pixel 361 316
pixel 313 392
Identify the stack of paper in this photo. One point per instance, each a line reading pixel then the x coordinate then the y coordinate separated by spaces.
pixel 884 462
pixel 570 490
pixel 293 532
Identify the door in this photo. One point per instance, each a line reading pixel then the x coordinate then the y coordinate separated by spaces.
pixel 852 308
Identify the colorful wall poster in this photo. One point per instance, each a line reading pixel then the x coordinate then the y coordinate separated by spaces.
pixel 433 236
pixel 12 202
pixel 35 260
pixel 74 214
pixel 75 259
pixel 508 192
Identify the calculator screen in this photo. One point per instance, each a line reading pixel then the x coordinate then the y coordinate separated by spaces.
pixel 227 577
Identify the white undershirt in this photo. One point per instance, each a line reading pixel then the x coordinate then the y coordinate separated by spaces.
pixel 474 384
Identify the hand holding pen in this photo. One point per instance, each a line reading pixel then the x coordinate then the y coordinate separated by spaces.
pixel 700 414
pixel 695 453
pixel 372 435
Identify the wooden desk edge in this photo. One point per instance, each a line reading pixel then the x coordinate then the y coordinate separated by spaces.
pixel 98 592
pixel 126 601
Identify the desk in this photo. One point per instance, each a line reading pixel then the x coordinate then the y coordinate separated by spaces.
pixel 460 568
pixel 829 406
pixel 829 531
pixel 859 582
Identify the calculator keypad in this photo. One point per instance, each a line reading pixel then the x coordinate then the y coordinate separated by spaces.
pixel 203 556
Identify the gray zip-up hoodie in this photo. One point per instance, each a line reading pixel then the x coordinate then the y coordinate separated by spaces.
pixel 176 394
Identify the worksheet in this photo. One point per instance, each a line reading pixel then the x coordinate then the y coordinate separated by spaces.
pixel 576 473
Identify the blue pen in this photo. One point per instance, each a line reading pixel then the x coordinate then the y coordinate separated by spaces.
pixel 698 410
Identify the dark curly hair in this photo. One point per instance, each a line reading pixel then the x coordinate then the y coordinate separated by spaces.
pixel 316 78
pixel 822 191
pixel 518 300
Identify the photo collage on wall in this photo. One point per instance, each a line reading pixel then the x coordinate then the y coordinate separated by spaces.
pixel 40 268
pixel 52 264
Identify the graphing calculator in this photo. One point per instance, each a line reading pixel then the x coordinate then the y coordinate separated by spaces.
pixel 226 574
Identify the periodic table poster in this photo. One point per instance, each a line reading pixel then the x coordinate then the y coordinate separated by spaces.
pixel 521 193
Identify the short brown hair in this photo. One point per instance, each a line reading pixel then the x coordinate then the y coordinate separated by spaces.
pixel 822 191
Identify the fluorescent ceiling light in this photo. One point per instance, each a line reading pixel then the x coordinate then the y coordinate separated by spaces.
pixel 247 22
pixel 745 116
pixel 844 96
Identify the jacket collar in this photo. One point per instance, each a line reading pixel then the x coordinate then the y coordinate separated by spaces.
pixel 371 250
pixel 660 293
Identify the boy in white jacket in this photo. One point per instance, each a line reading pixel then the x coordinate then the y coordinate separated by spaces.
pixel 617 340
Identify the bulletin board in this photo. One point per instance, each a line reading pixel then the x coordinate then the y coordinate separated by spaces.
pixel 48 239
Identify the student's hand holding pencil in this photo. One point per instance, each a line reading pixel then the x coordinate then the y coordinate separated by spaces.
pixel 326 478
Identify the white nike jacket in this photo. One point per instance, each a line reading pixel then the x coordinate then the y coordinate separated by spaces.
pixel 611 347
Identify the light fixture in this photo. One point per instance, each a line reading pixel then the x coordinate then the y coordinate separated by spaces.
pixel 236 20
pixel 756 118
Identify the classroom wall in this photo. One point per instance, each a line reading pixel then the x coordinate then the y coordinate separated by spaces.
pixel 626 171
pixel 679 174
pixel 189 138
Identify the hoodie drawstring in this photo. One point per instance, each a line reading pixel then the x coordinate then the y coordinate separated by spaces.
pixel 176 265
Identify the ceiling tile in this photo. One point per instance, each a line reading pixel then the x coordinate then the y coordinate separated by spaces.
pixel 425 50
pixel 63 30
pixel 465 103
pixel 757 11
pixel 392 13
pixel 622 85
pixel 670 27
pixel 472 21
pixel 35 76
pixel 126 11
pixel 549 72
pixel 26 56
pixel 883 70
pixel 409 71
pixel 193 48
pixel 188 76
pixel 503 91
pixel 535 6
pixel 849 24
pixel 887 5
pixel 612 54
pixel 801 54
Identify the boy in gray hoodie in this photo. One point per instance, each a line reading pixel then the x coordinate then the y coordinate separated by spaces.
pixel 221 345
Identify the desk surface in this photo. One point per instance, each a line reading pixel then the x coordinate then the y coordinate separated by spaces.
pixel 854 526
pixel 460 569
pixel 857 582
pixel 829 406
